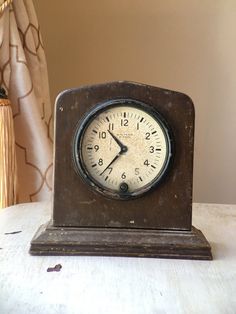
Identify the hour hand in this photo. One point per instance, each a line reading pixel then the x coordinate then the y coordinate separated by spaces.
pixel 122 146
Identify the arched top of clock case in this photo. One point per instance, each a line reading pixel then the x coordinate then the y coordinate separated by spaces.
pixel 130 88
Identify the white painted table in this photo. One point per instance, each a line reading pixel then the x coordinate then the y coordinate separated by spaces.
pixel 112 284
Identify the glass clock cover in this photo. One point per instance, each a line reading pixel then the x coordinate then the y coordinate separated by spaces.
pixel 122 148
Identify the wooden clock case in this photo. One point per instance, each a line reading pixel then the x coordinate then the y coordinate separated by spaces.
pixel 158 224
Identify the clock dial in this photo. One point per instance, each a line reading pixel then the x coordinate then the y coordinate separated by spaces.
pixel 124 148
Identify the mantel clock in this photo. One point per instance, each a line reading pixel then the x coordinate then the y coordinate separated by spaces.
pixel 123 170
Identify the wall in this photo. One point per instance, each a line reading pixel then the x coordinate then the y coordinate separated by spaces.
pixel 189 46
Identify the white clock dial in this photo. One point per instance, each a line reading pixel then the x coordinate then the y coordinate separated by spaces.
pixel 124 148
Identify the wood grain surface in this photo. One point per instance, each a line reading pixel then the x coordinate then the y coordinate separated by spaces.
pixel 90 285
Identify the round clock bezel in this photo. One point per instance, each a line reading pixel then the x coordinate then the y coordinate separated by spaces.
pixel 80 168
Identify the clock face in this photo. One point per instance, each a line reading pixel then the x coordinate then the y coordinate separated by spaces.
pixel 122 148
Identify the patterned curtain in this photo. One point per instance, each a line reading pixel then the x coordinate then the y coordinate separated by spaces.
pixel 23 74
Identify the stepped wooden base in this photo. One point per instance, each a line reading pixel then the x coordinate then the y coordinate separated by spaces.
pixel 50 240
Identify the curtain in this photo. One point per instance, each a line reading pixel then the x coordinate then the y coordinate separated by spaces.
pixel 23 74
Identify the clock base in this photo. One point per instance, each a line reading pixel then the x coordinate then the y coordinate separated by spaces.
pixel 50 240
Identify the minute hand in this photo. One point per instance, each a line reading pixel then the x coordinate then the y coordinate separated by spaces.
pixel 113 160
pixel 122 146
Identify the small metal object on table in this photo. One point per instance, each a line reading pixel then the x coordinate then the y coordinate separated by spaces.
pixel 91 284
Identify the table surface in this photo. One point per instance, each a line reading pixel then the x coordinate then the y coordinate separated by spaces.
pixel 116 284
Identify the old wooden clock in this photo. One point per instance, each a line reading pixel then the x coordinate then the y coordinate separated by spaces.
pixel 123 168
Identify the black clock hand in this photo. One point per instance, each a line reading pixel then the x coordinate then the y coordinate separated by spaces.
pixel 113 160
pixel 123 149
pixel 122 146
